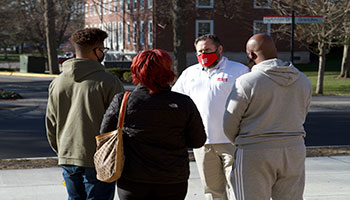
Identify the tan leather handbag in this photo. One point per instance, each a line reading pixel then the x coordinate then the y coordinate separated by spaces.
pixel 109 156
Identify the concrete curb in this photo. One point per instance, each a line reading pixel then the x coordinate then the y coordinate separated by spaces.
pixel 27 74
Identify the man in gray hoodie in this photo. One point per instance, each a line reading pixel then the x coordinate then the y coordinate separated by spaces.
pixel 264 118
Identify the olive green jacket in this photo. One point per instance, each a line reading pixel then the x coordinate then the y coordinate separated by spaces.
pixel 78 98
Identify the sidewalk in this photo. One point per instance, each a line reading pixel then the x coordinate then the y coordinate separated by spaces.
pixel 327 178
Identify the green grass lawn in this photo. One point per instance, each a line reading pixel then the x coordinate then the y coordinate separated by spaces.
pixel 331 85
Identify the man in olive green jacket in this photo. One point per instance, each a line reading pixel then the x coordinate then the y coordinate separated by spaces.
pixel 78 98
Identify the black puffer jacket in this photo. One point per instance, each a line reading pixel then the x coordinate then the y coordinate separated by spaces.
pixel 158 130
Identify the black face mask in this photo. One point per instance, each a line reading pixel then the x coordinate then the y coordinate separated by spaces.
pixel 99 59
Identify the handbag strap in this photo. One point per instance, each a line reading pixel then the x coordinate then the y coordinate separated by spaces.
pixel 122 110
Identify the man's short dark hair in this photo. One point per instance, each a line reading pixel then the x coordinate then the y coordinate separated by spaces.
pixel 211 37
pixel 88 37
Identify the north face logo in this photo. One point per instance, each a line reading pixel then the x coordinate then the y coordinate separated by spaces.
pixel 173 105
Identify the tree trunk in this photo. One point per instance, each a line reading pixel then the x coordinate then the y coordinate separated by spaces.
pixel 50 33
pixel 345 65
pixel 178 20
pixel 321 67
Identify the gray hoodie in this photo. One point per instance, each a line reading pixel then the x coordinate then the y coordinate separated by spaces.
pixel 268 104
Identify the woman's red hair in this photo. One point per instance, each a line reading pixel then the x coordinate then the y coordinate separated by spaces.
pixel 152 69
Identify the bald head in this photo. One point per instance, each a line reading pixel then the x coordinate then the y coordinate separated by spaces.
pixel 261 47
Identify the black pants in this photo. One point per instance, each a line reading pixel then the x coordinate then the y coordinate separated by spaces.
pixel 130 190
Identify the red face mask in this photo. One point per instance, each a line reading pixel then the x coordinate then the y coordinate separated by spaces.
pixel 207 59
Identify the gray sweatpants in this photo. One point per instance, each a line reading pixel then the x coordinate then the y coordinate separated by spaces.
pixel 264 173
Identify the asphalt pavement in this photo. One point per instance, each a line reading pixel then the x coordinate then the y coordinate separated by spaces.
pixel 327 178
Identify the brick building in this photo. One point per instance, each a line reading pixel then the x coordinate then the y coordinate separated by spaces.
pixel 136 25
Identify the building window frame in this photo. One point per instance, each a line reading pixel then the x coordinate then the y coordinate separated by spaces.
pixel 115 5
pixel 142 4
pixel 205 6
pixel 128 5
pixel 127 32
pixel 211 22
pixel 104 4
pixel 263 7
pixel 255 31
pixel 134 4
pixel 134 31
pixel 150 32
pixel 121 39
pixel 142 32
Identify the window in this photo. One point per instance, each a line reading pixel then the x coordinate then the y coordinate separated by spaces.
pixel 115 35
pixel 110 35
pixel 127 4
pixel 120 34
pixel 115 5
pixel 262 3
pixel 204 27
pixel 142 4
pixel 134 4
pixel 110 6
pixel 95 9
pixel 134 33
pixel 149 3
pixel 128 32
pixel 260 27
pixel 104 7
pixel 86 10
pixel 91 10
pixel 101 8
pixel 142 32
pixel 204 3
pixel 150 32
pixel 121 5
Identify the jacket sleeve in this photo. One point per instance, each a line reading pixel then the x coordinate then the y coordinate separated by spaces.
pixel 195 133
pixel 110 118
pixel 236 105
pixel 112 89
pixel 50 120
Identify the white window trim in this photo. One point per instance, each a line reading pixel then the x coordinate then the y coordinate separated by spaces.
pixel 205 21
pixel 91 10
pixel 110 7
pixel 104 7
pixel 210 6
pixel 134 4
pixel 142 6
pixel 127 32
pixel 121 39
pixel 128 5
pixel 265 7
pixel 142 32
pixel 134 31
pixel 121 5
pixel 115 5
pixel 86 10
pixel 150 32
pixel 261 22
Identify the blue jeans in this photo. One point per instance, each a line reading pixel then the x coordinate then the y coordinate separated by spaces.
pixel 81 183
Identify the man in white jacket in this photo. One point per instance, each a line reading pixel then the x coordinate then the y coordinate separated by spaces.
pixel 209 83
pixel 264 118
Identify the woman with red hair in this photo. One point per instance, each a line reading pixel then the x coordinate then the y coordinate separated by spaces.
pixel 159 127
